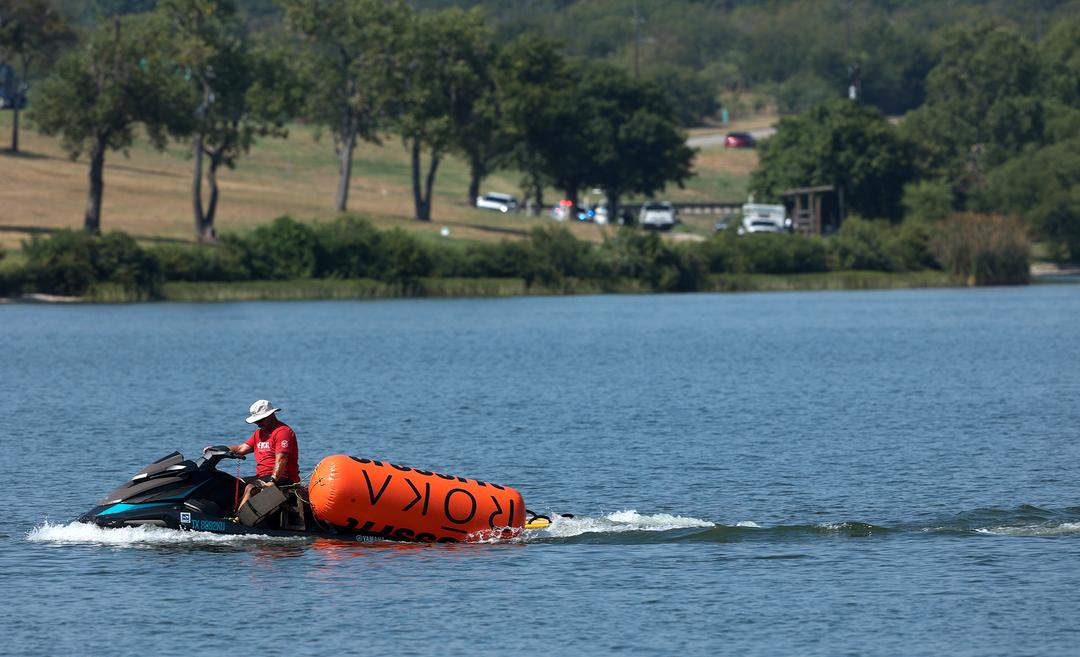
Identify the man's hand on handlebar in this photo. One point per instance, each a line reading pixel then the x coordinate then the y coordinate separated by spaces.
pixel 224 451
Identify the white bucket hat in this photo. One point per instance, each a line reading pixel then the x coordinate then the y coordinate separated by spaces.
pixel 261 409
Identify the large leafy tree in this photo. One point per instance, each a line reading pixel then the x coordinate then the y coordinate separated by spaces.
pixel 239 94
pixel 1059 54
pixel 844 144
pixel 1042 186
pixel 31 33
pixel 352 49
pixel 550 119
pixel 1041 183
pixel 590 125
pixel 99 93
pixel 633 136
pixel 482 137
pixel 531 74
pixel 981 105
pixel 442 78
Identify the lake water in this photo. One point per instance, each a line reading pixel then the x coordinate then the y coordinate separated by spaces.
pixel 853 473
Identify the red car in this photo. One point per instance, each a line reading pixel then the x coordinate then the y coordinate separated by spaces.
pixel 739 140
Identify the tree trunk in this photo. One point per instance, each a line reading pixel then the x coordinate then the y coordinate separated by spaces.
pixel 612 207
pixel 92 220
pixel 418 199
pixel 196 184
pixel 15 109
pixel 207 233
pixel 15 130
pixel 538 194
pixel 345 155
pixel 422 195
pixel 429 183
pixel 476 174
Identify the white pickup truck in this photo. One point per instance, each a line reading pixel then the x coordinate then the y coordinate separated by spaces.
pixel 763 218
pixel 660 215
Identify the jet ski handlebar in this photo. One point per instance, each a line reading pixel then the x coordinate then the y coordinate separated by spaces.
pixel 215 453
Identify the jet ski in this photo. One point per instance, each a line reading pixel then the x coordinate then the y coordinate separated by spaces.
pixel 192 494
pixel 178 493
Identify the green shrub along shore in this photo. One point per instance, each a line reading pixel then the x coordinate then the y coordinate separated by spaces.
pixel 349 259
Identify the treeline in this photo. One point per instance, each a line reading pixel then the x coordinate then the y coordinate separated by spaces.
pixel 999 132
pixel 791 53
pixel 194 71
pixel 975 249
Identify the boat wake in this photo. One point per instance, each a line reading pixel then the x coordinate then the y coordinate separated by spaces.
pixel 617 523
pixel 81 533
pixel 632 527
pixel 628 527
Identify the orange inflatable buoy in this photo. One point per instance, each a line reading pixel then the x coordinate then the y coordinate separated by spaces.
pixel 408 504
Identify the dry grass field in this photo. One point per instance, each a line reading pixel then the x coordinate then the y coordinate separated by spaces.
pixel 148 194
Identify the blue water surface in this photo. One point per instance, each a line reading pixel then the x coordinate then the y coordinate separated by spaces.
pixel 835 473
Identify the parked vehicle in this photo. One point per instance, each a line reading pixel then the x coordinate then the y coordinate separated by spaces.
pixel 498 202
pixel 561 210
pixel 739 140
pixel 600 214
pixel 764 218
pixel 659 215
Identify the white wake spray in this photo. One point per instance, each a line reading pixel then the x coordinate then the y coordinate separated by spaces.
pixel 81 533
pixel 620 521
pixel 1062 529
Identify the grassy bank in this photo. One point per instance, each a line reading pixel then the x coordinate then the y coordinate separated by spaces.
pixel 311 289
pixel 148 194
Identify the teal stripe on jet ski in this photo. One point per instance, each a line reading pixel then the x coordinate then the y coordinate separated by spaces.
pixel 120 508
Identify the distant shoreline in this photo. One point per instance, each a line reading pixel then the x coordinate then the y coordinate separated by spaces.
pixel 463 288
pixel 480 288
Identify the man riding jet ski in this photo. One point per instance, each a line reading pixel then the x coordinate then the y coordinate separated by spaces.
pixel 178 493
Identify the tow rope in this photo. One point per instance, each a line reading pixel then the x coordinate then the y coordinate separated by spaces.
pixel 236 499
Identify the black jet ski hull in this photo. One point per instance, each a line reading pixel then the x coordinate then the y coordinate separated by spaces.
pixel 180 517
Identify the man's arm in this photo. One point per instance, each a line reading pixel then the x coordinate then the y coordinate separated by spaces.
pixel 281 460
pixel 242 448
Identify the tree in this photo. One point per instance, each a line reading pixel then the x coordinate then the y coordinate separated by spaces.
pixel 844 144
pixel 530 73
pixel 636 145
pixel 482 137
pixel 31 31
pixel 981 105
pixel 449 53
pixel 1042 186
pixel 691 95
pixel 1060 55
pixel 98 93
pixel 240 93
pixel 353 48
pixel 590 126
pixel 548 117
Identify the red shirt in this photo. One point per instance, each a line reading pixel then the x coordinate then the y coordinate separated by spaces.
pixel 267 443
